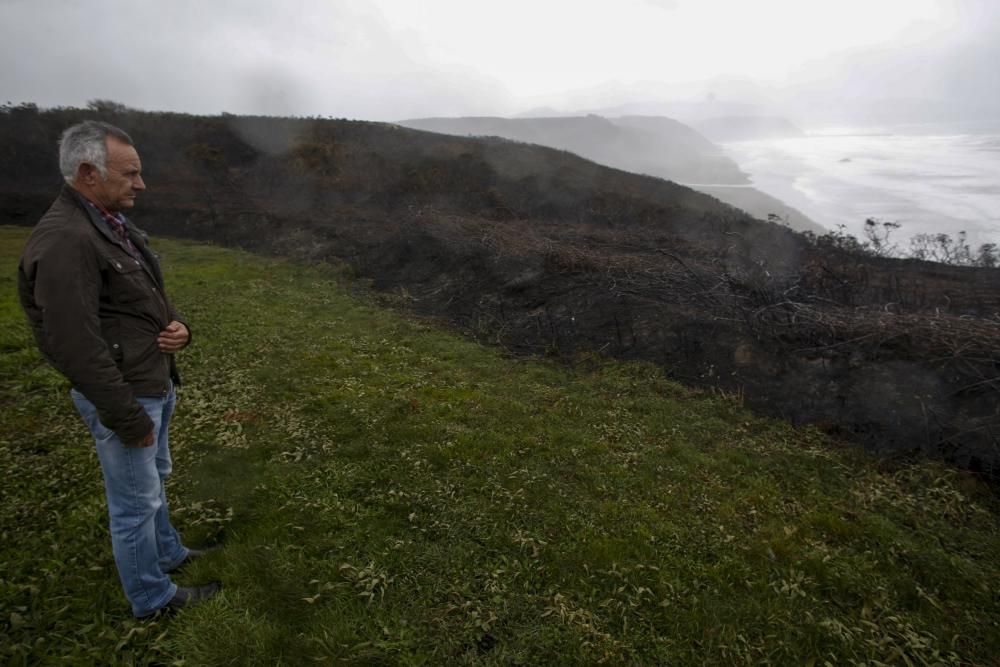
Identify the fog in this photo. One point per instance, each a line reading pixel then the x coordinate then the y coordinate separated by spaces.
pixel 818 62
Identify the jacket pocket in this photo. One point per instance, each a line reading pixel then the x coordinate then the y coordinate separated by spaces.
pixel 127 280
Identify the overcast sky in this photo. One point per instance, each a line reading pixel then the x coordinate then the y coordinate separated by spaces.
pixel 394 59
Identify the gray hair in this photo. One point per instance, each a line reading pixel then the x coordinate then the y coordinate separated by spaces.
pixel 87 142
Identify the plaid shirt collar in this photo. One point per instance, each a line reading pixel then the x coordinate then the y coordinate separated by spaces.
pixel 116 223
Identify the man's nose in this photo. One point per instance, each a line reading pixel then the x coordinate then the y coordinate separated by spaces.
pixel 138 184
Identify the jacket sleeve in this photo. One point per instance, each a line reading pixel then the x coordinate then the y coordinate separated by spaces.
pixel 67 287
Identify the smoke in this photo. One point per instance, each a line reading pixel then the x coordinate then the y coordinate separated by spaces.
pixel 309 58
pixel 387 59
pixel 932 73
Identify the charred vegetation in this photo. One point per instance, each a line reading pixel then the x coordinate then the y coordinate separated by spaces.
pixel 542 252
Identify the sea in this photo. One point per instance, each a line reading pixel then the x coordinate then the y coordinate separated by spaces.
pixel 928 178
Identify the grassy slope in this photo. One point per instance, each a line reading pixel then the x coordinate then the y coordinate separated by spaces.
pixel 389 493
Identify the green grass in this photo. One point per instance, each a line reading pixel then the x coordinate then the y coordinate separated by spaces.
pixel 389 493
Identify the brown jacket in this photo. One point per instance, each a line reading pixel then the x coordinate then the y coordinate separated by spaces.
pixel 96 312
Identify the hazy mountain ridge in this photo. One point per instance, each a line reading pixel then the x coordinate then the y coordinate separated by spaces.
pixel 653 145
pixel 741 128
pixel 660 146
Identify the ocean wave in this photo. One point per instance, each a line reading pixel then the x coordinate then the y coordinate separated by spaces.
pixel 930 182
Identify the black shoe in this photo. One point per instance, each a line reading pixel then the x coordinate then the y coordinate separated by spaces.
pixel 193 554
pixel 187 596
pixel 184 597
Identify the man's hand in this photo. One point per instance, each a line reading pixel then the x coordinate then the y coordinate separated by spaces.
pixel 173 338
pixel 145 442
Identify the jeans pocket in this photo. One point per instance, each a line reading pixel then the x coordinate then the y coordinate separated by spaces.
pixel 102 433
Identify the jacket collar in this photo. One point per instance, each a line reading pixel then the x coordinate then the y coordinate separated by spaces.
pixel 70 195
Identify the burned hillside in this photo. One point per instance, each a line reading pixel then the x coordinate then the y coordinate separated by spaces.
pixel 542 252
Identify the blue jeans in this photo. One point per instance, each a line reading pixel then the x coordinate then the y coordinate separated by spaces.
pixel 145 545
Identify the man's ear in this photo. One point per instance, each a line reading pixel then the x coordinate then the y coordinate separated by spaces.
pixel 87 174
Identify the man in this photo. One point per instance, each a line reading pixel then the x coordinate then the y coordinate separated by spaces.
pixel 93 293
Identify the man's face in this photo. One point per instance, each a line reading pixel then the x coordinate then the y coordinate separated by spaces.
pixel 124 180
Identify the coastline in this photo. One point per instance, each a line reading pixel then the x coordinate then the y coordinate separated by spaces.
pixel 930 183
